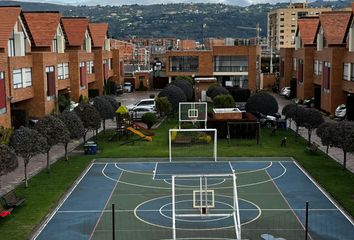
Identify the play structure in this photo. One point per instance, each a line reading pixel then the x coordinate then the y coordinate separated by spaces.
pixel 126 127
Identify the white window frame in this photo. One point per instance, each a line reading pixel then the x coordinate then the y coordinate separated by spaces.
pixel 24 78
pixel 2 76
pixel 294 64
pixel 346 71
pixel 90 67
pixel 63 71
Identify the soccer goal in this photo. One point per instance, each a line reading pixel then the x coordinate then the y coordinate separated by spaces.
pixel 195 144
pixel 207 204
pixel 193 112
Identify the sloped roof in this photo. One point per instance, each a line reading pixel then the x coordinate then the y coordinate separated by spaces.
pixel 307 28
pixel 42 27
pixel 335 26
pixel 75 29
pixel 8 18
pixel 98 33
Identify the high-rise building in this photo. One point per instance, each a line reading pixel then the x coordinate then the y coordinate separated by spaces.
pixel 282 23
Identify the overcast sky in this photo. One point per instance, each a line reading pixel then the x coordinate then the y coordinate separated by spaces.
pixel 121 2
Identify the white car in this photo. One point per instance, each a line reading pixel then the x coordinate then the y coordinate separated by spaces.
pixel 341 111
pixel 138 112
pixel 149 102
pixel 285 91
pixel 128 87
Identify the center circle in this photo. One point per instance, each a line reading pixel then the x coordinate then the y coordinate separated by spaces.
pixel 158 212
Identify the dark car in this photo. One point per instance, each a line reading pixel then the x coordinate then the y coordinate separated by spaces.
pixel 119 89
pixel 310 103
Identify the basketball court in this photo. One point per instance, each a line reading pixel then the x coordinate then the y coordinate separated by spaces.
pixel 159 199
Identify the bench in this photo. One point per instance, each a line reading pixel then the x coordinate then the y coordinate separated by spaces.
pixel 4 212
pixel 12 200
pixel 312 148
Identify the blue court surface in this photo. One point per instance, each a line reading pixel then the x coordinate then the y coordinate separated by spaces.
pixel 272 193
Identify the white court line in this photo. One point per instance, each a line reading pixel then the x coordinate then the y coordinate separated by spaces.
pixel 232 169
pixel 324 193
pixel 286 201
pixel 255 170
pixel 62 202
pixel 109 198
pixel 153 177
pixel 133 172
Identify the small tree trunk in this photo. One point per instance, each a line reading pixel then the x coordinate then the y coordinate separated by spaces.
pixel 327 149
pixel 297 132
pixel 104 126
pixel 85 136
pixel 66 151
pixel 345 160
pixel 48 164
pixel 309 136
pixel 290 123
pixel 26 182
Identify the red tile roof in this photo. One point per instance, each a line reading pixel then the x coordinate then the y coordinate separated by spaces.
pixel 307 28
pixel 98 33
pixel 335 26
pixel 42 27
pixel 8 18
pixel 75 29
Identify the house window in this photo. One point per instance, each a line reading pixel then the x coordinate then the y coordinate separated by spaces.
pixel 326 76
pixel 184 64
pixel 346 71
pixel 294 64
pixel 352 72
pixel 63 71
pixel 320 40
pixel 351 39
pixel 90 67
pixel 22 77
pixel 315 67
pixel 2 93
pixel 231 64
pixel 300 71
pixel 51 88
pixel 11 46
pixel 83 75
pixel 320 67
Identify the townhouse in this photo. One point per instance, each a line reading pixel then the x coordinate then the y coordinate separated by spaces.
pixel 322 63
pixel 44 55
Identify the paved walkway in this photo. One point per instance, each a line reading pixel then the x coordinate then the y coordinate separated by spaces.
pixel 335 153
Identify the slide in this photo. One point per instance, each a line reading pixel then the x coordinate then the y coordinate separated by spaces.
pixel 144 129
pixel 140 134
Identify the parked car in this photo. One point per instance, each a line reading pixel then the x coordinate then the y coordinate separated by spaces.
pixel 128 87
pixel 73 105
pixel 310 103
pixel 119 89
pixel 149 102
pixel 138 112
pixel 285 91
pixel 341 111
pixel 267 121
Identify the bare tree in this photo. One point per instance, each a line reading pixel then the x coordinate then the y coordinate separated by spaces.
pixel 75 126
pixel 55 132
pixel 27 143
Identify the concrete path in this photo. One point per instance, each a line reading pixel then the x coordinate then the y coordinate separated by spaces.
pixel 38 163
pixel 335 153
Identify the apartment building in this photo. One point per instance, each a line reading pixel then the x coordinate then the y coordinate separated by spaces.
pixel 230 65
pixel 282 23
pixel 321 65
pixel 44 55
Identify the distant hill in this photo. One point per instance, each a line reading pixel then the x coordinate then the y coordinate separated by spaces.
pixel 174 20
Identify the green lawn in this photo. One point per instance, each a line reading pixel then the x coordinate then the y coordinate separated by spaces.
pixel 45 190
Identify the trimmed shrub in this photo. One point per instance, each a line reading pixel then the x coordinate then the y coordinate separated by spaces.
pixel 263 103
pixel 186 78
pixel 218 90
pixel 163 106
pixel 211 88
pixel 174 94
pixel 186 87
pixel 112 100
pixel 149 119
pixel 224 101
pixel 239 94
pixel 63 102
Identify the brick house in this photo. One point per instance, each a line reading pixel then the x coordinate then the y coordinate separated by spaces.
pixel 322 63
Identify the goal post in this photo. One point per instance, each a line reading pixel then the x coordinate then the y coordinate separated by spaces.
pixel 193 112
pixel 193 143
pixel 209 201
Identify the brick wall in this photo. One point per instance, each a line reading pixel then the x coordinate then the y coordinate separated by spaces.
pixel 5 118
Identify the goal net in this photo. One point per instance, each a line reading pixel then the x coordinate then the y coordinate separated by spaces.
pixel 193 144
pixel 193 112
pixel 205 207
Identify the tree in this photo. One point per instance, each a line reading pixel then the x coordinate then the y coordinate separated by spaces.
pixel 186 78
pixel 186 87
pixel 224 101
pixel 218 90
pixel 105 110
pixel 262 102
pixel 112 101
pixel 312 119
pixel 149 119
pixel 174 94
pixel 325 132
pixel 9 161
pixel 55 132
pixel 299 116
pixel 27 143
pixel 288 111
pixel 344 138
pixel 89 116
pixel 239 94
pixel 163 106
pixel 211 88
pixel 75 126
